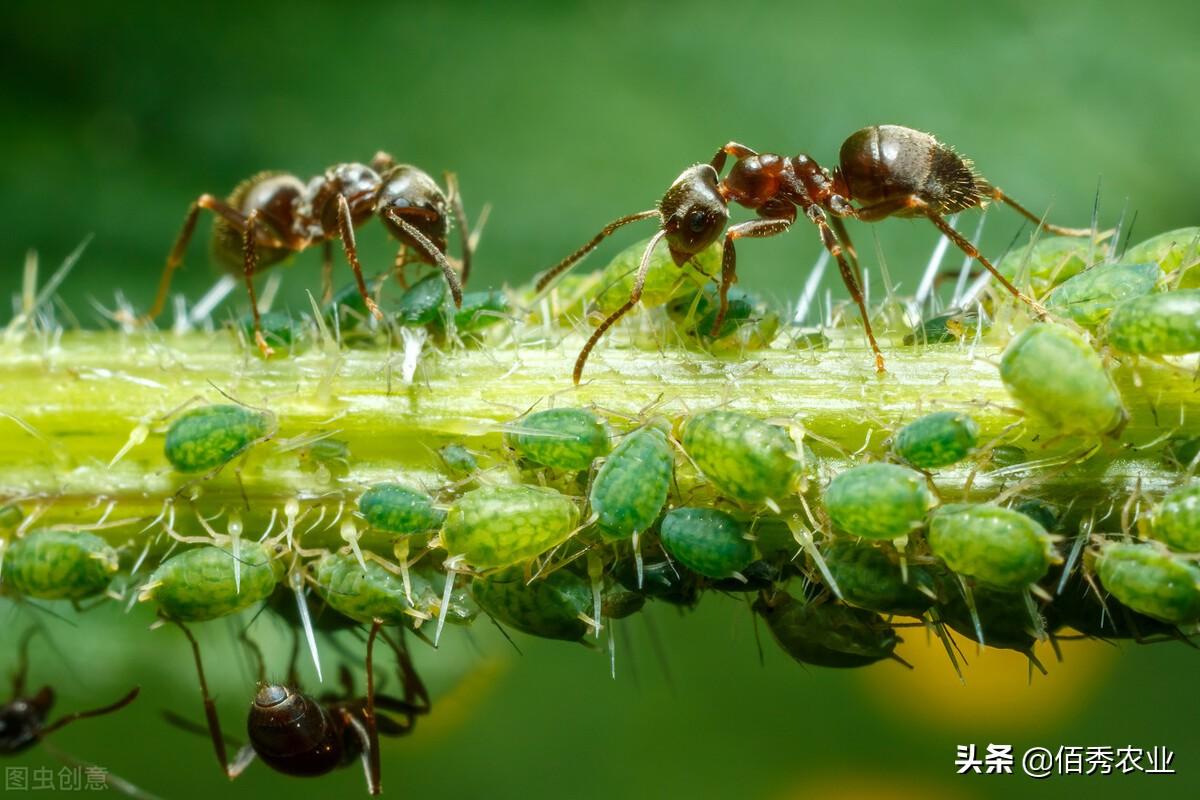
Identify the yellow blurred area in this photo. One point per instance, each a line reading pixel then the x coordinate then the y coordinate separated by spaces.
pixel 840 786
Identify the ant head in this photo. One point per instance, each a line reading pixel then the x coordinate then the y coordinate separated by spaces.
pixel 358 183
pixel 413 196
pixel 693 212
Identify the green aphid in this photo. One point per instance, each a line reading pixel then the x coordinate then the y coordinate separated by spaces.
pixel 707 541
pixel 616 602
pixel 747 459
pixel 1003 616
pixel 210 437
pixel 827 634
pixel 279 328
pixel 1151 581
pixel 695 313
pixel 1176 521
pixel 1090 297
pixel 346 308
pixel 937 440
pixel 1050 261
pixel 549 607
pixel 395 508
pixel 878 501
pixel 950 327
pixel 1007 455
pixel 1157 324
pixel 332 455
pixel 1040 512
pixel 808 339
pixel 199 584
pixel 870 577
pixel 460 462
pixel 664 280
pixel 496 526
pixel 59 565
pixel 1171 251
pixel 1182 450
pixel 1056 375
pixel 10 517
pixel 373 593
pixel 562 438
pixel 659 578
pixel 479 310
pixel 462 610
pixel 996 546
pixel 422 302
pixel 630 489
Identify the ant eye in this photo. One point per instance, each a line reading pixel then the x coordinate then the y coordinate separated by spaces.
pixel 697 221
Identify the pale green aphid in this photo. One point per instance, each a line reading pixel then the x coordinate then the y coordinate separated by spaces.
pixel 1157 324
pixel 1090 297
pixel 553 607
pixel 878 501
pixel 1176 521
pixel 1152 581
pixel 747 459
pixel 996 546
pixel 199 584
pixel 496 526
pixel 1056 375
pixel 664 280
pixel 1049 261
pixel 59 565
pixel 937 440
pixel 1172 250
pixel 563 438
pixel 706 541
pixel 631 487
pixel 422 302
pixel 210 437
pixel 459 461
pixel 372 593
pixel 10 517
pixel 395 508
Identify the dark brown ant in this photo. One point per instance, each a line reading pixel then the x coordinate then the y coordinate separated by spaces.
pixel 272 215
pixel 298 734
pixel 892 171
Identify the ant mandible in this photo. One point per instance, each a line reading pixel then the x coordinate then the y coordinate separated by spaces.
pixel 892 171
pixel 298 734
pixel 272 215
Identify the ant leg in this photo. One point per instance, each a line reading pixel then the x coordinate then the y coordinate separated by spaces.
pixel 94 712
pixel 399 265
pixel 414 687
pixel 373 765
pixel 18 679
pixel 249 267
pixel 755 228
pixel 595 241
pixel 210 708
pixel 381 162
pixel 253 647
pixel 346 230
pixel 849 277
pixel 460 219
pixel 639 282
pixel 435 256
pixel 735 149
pixel 1000 197
pixel 327 272
pixel 839 227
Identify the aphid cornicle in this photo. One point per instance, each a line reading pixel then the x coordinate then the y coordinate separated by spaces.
pixel 937 440
pixel 200 584
pixel 59 565
pixel 272 215
pixel 551 607
pixel 891 170
pixel 747 459
pixel 562 438
pixel 495 526
pixel 878 501
pixel 631 487
pixel 707 541
pixel 1157 324
pixel 994 545
pixel 399 509
pixel 1152 581
pixel 210 437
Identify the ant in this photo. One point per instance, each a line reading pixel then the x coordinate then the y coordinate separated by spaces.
pixel 301 735
pixel 892 171
pixel 272 215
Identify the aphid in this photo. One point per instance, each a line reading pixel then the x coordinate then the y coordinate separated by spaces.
pixel 1040 512
pixel 757 576
pixel 952 326
pixel 552 607
pixel 1050 260
pixel 10 517
pixel 561 438
pixel 1056 375
pixel 199 584
pixel 495 526
pixel 619 603
pixel 870 577
pixel 664 280
pixel 461 608
pixel 1090 297
pixel 747 459
pixel 1176 521
pixel 395 508
pixel 1079 606
pixel 891 170
pixel 297 734
pixel 479 310
pixel 747 326
pixel 996 546
pixel 210 437
pixel 272 215
pixel 631 487
pixel 878 501
pixel 937 440
pixel 1152 581
pixel 368 592
pixel 652 574
pixel 1172 250
pixel 327 456
pixel 1182 450
pixel 422 302
pixel 707 541
pixel 279 330
pixel 827 634
pixel 1157 324
pixel 59 565
pixel 460 462
pixel 1002 616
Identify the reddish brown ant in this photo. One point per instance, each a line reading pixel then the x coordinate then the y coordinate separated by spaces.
pixel 300 735
pixel 272 215
pixel 892 171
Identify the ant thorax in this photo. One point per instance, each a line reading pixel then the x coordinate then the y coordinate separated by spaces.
pixel 358 183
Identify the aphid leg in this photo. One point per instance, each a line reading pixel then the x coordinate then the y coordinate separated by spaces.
pixel 595 241
pixel 639 282
pixel 327 272
pixel 350 245
pixel 1000 197
pixel 210 708
pixel 637 557
pixel 249 267
pixel 850 276
pixel 460 219
pixel 756 228
pixel 436 256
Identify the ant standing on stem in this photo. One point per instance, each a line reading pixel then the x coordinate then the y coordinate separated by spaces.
pixel 272 215
pixel 892 171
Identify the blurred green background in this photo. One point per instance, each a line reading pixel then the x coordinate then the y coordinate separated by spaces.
pixel 564 116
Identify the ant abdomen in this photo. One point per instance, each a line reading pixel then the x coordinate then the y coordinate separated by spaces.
pixel 293 733
pixel 892 162
pixel 274 195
